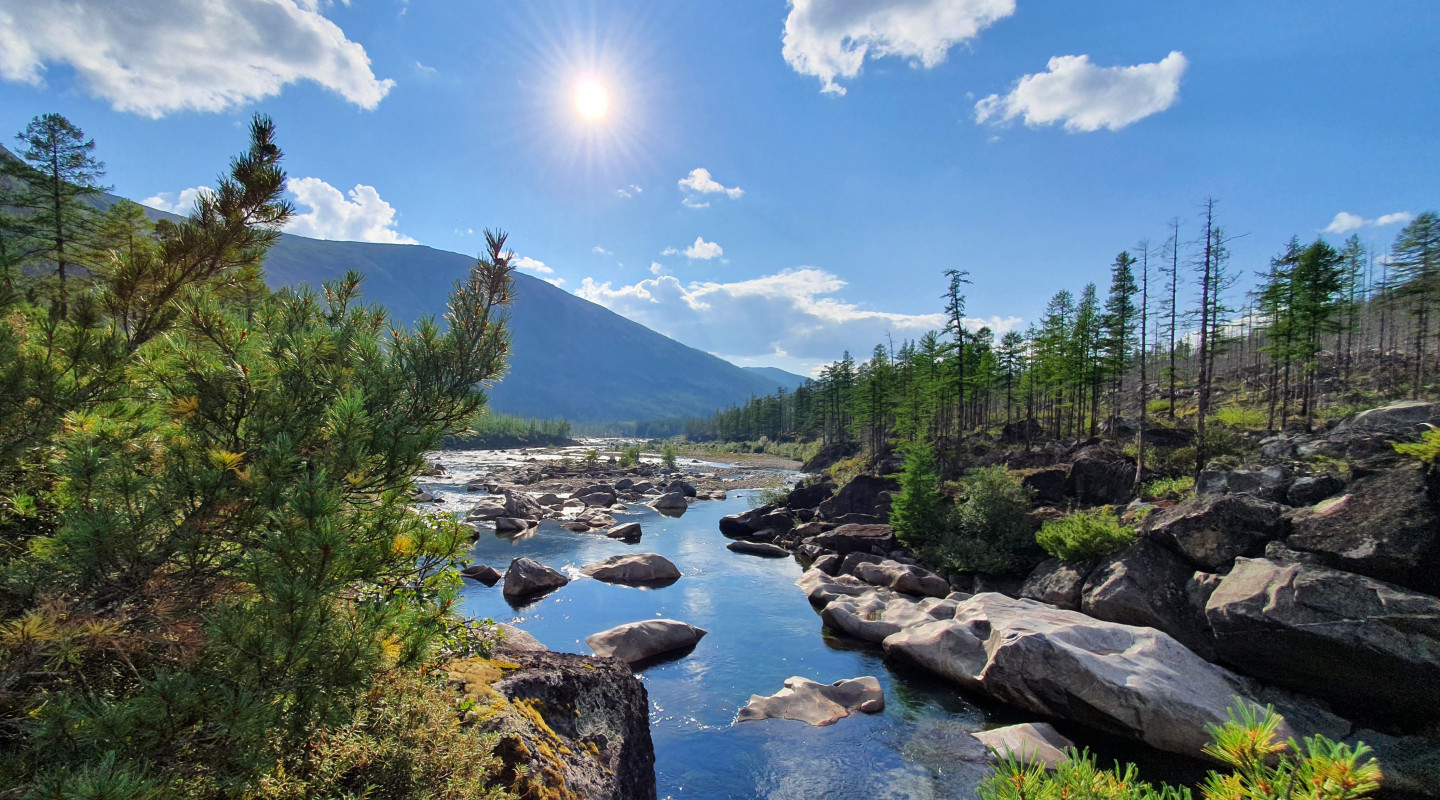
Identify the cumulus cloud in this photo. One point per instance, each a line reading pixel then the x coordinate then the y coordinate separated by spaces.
pixel 794 312
pixel 656 268
pixel 1345 222
pixel 700 182
pixel 1085 97
pixel 362 217
pixel 531 264
pixel 154 58
pixel 181 202
pixel 628 191
pixel 831 39
pixel 701 250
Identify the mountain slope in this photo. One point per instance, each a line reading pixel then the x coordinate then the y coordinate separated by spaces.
pixel 571 358
pixel 789 380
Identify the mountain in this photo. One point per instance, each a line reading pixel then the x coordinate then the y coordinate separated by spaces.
pixel 570 358
pixel 789 380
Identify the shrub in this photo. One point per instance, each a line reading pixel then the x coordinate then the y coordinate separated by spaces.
pixel 918 511
pixel 1160 406
pixel 1168 488
pixel 987 532
pixel 1085 535
pixel 629 457
pixel 1241 418
pixel 1261 768
pixel 591 456
pixel 668 455
pixel 1427 449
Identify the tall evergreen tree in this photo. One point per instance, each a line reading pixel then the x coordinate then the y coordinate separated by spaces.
pixel 1415 262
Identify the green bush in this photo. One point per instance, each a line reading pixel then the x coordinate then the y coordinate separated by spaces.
pixel 1168 488
pixel 1242 418
pixel 1260 768
pixel 986 531
pixel 918 512
pixel 591 456
pixel 1085 535
pixel 668 454
pixel 629 457
pixel 1427 449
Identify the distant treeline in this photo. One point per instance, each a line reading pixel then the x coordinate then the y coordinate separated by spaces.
pixel 506 430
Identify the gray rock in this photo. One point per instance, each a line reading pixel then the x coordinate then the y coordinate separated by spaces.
pixel 1145 586
pixel 1212 530
pixel 1057 582
pixel 511 525
pixel 757 549
pixel 1411 763
pixel 1351 639
pixel 1310 490
pixel 637 641
pixel 1266 484
pixel 634 569
pixel 518 641
pixel 816 703
pixel 485 511
pixel 482 573
pixel 903 578
pixel 848 539
pixel 1404 417
pixel 526 578
pixel 626 532
pixel 672 501
pixel 1101 476
pixel 521 505
pixel 828 563
pixel 875 615
pixel 1133 682
pixel 852 562
pixel 576 526
pixel 822 588
pixel 1028 743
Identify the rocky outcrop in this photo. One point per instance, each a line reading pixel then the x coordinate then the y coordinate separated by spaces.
pixel 1212 530
pixel 527 578
pixel 1267 484
pixel 1133 682
pixel 637 641
pixel 877 539
pixel 634 569
pixel 903 578
pixel 876 614
pixel 1145 586
pixel 816 703
pixel 862 495
pixel 822 589
pixel 1362 643
pixel 1100 476
pixel 1058 583
pixel 570 726
pixel 1407 417
pixel 809 496
pixel 1387 527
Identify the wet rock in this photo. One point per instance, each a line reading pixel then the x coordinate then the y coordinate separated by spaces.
pixel 527 578
pixel 634 569
pixel 1212 530
pixel 1058 583
pixel 757 549
pixel 483 573
pixel 1356 641
pixel 1133 682
pixel 1028 743
pixel 637 641
pixel 819 704
pixel 626 532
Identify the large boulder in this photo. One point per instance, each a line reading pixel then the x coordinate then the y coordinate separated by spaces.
pixel 862 495
pixel 816 703
pixel 1213 529
pixel 1146 586
pixel 637 641
pixel 903 578
pixel 625 532
pixel 1359 642
pixel 877 539
pixel 1266 484
pixel 1133 682
pixel 670 501
pixel 1058 583
pixel 1047 484
pixel 876 614
pixel 744 523
pixel 485 510
pixel 521 505
pixel 1101 476
pixel 483 573
pixel 633 569
pixel 1387 526
pixel 683 487
pixel 809 496
pixel 527 578
pixel 1311 489
pixel 757 549
pixel 568 725
pixel 1407 417
pixel 514 639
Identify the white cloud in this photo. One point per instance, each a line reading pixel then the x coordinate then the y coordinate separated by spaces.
pixel 794 313
pixel 600 251
pixel 1345 222
pixel 534 265
pixel 154 58
pixel 702 249
pixel 1086 97
pixel 181 202
pixel 691 202
pixel 628 191
pixel 466 232
pixel 555 281
pixel 656 268
pixel 700 182
pixel 364 217
pixel 426 71
pixel 831 39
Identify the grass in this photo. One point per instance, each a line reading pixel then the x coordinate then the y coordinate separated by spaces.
pixel 1168 488
pixel 1085 535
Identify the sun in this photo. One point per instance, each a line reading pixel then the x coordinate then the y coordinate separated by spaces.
pixel 592 99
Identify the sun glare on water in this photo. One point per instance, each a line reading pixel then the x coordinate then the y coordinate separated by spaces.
pixel 592 99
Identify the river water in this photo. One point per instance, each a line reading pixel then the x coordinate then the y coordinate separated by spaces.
pixel 762 630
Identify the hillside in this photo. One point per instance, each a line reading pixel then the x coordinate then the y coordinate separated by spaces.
pixel 789 380
pixel 571 358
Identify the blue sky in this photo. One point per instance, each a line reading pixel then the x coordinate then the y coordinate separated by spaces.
pixel 1027 142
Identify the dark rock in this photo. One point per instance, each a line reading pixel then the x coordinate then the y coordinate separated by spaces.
pixel 1211 530
pixel 634 569
pixel 828 564
pixel 1021 432
pixel 1359 642
pixel 828 455
pixel 592 737
pixel 1407 417
pixel 484 573
pixel 757 549
pixel 1101 476
pixel 1386 527
pixel 1048 484
pixel 527 578
pixel 778 521
pixel 1145 586
pixel 860 496
pixel 1169 437
pixel 851 561
pixel 1411 763
pixel 1311 490
pixel 857 519
pixel 677 485
pixel 521 505
pixel 742 524
pixel 1266 484
pixel 511 525
pixel 1057 582
pixel 848 539
pixel 625 532
pixel 809 529
pixel 809 496
pixel 670 501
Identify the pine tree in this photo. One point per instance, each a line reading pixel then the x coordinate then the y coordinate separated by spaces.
pixel 1119 324
pixel 1415 261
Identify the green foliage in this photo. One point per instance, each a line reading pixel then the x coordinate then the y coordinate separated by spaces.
pixel 1261 768
pixel 1427 449
pixel 1242 418
pixel 591 456
pixel 986 530
pixel 918 511
pixel 1168 488
pixel 629 457
pixel 208 555
pixel 1085 535
pixel 668 454
pixel 497 431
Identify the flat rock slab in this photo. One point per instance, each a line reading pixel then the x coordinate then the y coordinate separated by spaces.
pixel 1029 743
pixel 819 704
pixel 637 641
pixel 758 549
pixel 633 568
pixel 518 641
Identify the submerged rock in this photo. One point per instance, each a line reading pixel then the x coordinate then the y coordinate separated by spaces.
pixel 819 704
